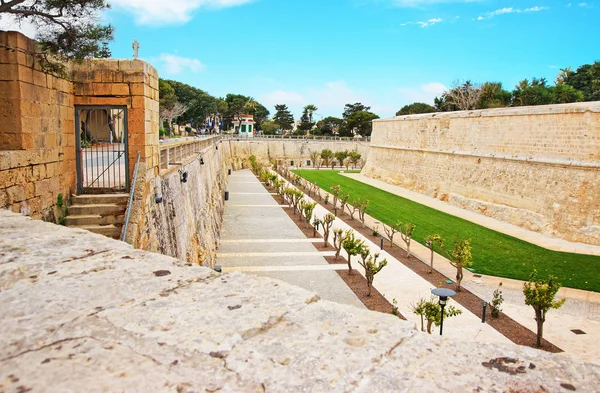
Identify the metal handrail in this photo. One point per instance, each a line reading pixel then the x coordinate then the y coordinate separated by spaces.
pixel 131 195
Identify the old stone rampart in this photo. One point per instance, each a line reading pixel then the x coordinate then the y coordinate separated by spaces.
pixel 535 167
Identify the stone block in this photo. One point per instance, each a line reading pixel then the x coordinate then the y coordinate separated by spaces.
pixel 139 89
pixel 9 90
pixel 8 72
pixel 120 89
pixel 39 79
pixel 102 89
pixel 3 199
pixel 11 141
pixel 42 187
pixel 16 193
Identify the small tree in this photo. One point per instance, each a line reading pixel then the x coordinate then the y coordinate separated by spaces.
pixel 460 258
pixel 340 156
pixel 390 231
pixel 362 209
pixel 316 222
pixel 335 191
pixel 352 246
pixel 296 196
pixel 314 158
pixel 354 157
pixel 307 209
pixel 431 311
pixel 497 300
pixel 338 240
pixel 406 232
pixel 352 209
pixel 326 157
pixel 327 222
pixel 431 241
pixel 539 294
pixel 343 197
pixel 369 263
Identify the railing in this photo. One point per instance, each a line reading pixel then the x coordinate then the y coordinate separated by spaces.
pixel 304 138
pixel 177 152
pixel 131 196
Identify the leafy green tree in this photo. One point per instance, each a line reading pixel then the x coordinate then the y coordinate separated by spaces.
pixel 283 117
pixel 340 156
pixel 492 95
pixel 415 108
pixel 431 241
pixel 534 92
pixel 565 93
pixel 65 29
pixel 329 125
pixel 326 157
pixel 354 157
pixel 431 311
pixel 306 120
pixel 460 257
pixel 360 122
pixel 369 263
pixel 352 246
pixel 540 294
pixel 260 113
pixel 269 127
pixel 586 79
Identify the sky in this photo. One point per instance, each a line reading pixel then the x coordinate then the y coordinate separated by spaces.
pixel 382 53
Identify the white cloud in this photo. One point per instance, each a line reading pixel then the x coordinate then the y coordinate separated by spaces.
pixel 173 64
pixel 429 22
pixel 8 23
pixel 511 10
pixel 424 93
pixel 160 12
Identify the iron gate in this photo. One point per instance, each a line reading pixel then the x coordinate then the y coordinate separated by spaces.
pixel 102 153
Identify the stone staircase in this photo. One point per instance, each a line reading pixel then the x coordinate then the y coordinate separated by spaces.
pixel 103 214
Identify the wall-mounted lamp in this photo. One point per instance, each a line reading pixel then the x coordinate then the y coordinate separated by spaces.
pixel 201 161
pixel 158 198
pixel 184 176
pixel 217 147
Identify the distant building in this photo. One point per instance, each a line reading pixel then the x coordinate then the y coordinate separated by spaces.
pixel 244 125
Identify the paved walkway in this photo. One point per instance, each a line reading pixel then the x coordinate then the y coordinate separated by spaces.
pixel 581 311
pixel 259 238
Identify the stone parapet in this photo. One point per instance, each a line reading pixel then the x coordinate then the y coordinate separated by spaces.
pixel 81 312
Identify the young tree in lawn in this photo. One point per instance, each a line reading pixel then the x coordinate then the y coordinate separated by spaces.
pixel 326 157
pixel 460 257
pixel 369 263
pixel 354 157
pixel 338 240
pixel 391 230
pixel 431 311
pixel 431 241
pixel 343 197
pixel 540 294
pixel 314 158
pixel 352 209
pixel 340 156
pixel 352 246
pixel 327 222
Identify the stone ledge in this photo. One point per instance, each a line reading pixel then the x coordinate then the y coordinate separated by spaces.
pixel 81 312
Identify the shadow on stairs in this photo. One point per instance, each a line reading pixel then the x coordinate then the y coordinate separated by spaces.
pixel 103 214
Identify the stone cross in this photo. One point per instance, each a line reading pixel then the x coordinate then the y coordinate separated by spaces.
pixel 135 46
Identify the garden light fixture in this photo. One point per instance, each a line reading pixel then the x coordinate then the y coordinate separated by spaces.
pixel 444 294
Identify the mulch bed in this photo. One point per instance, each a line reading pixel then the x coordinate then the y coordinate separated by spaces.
pixel 356 282
pixel 504 324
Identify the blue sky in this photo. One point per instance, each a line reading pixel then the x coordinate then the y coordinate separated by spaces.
pixel 383 53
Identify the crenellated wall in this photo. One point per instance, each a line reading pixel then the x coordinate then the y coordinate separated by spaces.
pixel 535 167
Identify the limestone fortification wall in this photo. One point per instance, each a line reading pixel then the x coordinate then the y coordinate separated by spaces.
pixel 289 150
pixel 535 167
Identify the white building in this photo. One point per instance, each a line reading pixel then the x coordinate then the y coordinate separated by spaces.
pixel 244 125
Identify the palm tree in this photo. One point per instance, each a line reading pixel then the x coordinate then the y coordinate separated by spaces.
pixel 310 109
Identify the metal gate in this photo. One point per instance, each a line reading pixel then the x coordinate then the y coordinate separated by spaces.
pixel 102 153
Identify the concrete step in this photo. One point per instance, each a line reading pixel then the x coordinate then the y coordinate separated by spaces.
pixel 94 219
pixel 97 209
pixel 106 230
pixel 101 199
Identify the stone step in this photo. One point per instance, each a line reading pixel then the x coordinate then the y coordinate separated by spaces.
pixel 100 199
pixel 94 219
pixel 97 209
pixel 106 230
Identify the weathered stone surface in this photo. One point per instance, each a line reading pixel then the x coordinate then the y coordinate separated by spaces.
pixel 81 312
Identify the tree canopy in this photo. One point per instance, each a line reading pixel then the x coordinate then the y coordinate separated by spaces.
pixel 357 118
pixel 415 108
pixel 69 29
pixel 283 117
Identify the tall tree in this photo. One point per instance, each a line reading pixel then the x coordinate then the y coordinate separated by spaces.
pixel 306 120
pixel 492 95
pixel 587 80
pixel 462 96
pixel 329 125
pixel 415 108
pixel 283 117
pixel 534 92
pixel 357 118
pixel 69 29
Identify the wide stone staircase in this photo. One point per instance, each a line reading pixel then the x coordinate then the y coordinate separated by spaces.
pixel 103 214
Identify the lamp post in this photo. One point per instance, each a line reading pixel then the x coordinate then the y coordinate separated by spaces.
pixel 443 294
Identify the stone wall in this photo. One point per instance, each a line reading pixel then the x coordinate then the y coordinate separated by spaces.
pixel 535 167
pixel 37 121
pixel 287 150
pixel 96 315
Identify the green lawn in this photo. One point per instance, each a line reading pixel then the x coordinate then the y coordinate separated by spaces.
pixel 494 253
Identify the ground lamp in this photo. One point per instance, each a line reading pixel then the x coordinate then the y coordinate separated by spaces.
pixel 443 294
pixel 201 161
